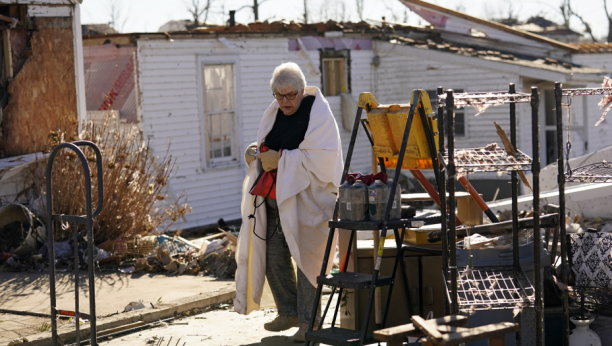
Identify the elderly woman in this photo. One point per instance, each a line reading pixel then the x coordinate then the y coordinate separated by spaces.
pixel 304 150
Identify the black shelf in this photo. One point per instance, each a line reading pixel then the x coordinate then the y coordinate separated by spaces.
pixel 489 160
pixel 495 287
pixel 376 225
pixel 353 280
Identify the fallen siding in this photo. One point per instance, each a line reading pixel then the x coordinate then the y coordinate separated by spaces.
pixel 42 95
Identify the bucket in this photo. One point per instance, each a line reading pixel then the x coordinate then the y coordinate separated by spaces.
pixel 35 230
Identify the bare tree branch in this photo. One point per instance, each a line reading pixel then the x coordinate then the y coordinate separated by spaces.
pixel 608 14
pixel 116 11
pixel 359 4
pixel 305 11
pixel 196 12
pixel 587 27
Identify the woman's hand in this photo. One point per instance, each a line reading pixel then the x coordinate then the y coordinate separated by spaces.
pixel 250 154
pixel 269 160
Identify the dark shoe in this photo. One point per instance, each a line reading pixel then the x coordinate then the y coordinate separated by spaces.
pixel 281 323
pixel 300 335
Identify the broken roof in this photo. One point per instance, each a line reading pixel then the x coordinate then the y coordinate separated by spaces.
pixel 440 16
pixel 597 47
pixel 418 37
pixel 495 55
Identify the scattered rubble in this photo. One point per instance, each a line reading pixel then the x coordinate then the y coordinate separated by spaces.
pixel 173 255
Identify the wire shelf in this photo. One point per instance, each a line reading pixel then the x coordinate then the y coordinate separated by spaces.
pixel 586 91
pixel 486 288
pixel 593 173
pixel 488 160
pixel 485 98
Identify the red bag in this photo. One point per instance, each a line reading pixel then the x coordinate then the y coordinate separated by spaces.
pixel 265 185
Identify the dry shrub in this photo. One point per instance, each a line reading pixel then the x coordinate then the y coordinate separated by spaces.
pixel 134 181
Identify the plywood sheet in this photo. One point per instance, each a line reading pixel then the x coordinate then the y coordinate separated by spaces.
pixel 42 96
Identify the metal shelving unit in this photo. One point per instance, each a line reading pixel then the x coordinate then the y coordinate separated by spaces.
pixel 488 160
pixel 496 287
pixel 491 287
pixel 591 173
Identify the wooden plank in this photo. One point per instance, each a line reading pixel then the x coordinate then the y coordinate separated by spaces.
pixel 479 333
pixel 427 327
pixel 405 330
pixel 49 11
pixel 121 328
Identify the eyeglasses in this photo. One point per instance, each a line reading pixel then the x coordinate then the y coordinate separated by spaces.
pixel 280 97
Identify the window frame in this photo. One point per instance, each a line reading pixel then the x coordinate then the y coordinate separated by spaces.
pixel 332 54
pixel 236 140
pixel 433 95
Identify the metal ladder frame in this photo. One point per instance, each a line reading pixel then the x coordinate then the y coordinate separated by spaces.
pixel 385 224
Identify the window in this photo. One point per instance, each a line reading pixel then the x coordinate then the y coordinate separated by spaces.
pixel 335 70
pixel 219 112
pixel 459 113
pixel 550 126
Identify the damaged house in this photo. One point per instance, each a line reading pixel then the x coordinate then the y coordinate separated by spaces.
pixel 41 83
pixel 201 93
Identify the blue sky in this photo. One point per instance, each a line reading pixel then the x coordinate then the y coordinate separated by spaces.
pixel 149 15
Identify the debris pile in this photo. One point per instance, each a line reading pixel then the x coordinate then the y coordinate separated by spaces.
pixel 163 253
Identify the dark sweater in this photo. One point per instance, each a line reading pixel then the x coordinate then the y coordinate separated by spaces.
pixel 289 130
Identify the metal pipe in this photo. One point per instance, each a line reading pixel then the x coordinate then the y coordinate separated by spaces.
pixel 76 282
pixel 514 186
pixel 442 187
pixel 550 220
pixel 450 111
pixel 537 238
pixel 562 228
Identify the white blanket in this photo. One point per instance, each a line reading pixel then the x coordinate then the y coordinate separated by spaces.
pixel 306 178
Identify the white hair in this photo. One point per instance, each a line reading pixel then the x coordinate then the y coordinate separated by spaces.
pixel 287 75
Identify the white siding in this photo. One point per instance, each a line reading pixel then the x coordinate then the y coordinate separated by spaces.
pixel 170 95
pixel 599 60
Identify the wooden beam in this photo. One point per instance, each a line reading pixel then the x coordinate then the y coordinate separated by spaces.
pixel 428 327
pixel 400 332
pixel 7 54
pixel 497 330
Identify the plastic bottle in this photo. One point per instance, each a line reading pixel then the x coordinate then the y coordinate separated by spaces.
pixel 396 209
pixel 358 197
pixel 378 195
pixel 343 197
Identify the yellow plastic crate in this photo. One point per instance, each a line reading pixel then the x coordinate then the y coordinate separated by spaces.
pixel 387 124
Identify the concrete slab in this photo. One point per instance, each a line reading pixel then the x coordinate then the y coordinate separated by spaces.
pixel 219 327
pixel 29 291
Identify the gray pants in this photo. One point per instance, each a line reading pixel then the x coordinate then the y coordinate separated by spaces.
pixel 292 298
